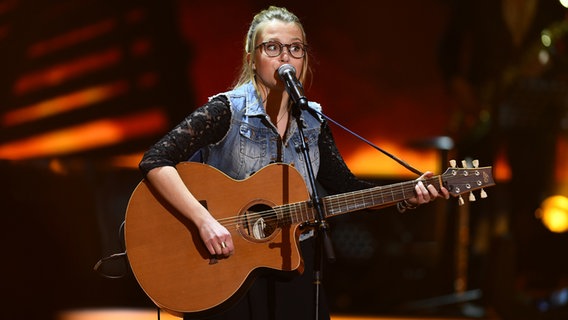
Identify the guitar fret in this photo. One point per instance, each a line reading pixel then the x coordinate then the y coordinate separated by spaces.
pixel 279 214
pixel 298 213
pixel 302 210
pixel 312 212
pixel 299 216
pixel 348 202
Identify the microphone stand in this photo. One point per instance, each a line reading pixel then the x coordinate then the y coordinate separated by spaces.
pixel 296 92
pixel 323 240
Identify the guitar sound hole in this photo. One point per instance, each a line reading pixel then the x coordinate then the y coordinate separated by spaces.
pixel 258 222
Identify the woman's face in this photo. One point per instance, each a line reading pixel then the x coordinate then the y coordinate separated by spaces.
pixel 265 67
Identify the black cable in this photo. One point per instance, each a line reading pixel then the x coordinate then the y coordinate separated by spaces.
pixel 113 256
pixel 388 154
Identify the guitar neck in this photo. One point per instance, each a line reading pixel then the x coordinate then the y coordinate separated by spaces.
pixel 353 201
pixel 373 197
pixel 457 181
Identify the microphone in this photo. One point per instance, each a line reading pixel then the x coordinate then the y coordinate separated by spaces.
pixel 293 86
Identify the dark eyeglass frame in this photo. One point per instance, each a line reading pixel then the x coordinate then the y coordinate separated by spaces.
pixel 281 46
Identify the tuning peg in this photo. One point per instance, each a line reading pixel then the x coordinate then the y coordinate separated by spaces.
pixel 475 163
pixel 483 194
pixel 471 196
pixel 460 200
pixel 464 164
pixel 453 163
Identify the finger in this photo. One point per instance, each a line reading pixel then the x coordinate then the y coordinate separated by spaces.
pixel 418 192
pixel 433 192
pixel 217 245
pixel 446 193
pixel 226 250
pixel 211 248
pixel 422 194
pixel 218 248
pixel 426 175
pixel 230 249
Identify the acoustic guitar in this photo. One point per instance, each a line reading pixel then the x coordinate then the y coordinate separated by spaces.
pixel 264 214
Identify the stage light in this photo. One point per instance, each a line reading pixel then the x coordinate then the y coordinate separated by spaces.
pixel 554 213
pixel 546 38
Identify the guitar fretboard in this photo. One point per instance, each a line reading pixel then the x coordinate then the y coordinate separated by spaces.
pixel 368 198
pixel 351 201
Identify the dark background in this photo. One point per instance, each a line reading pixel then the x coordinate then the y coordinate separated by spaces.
pixel 377 69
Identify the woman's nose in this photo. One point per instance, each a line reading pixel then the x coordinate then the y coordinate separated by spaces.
pixel 285 55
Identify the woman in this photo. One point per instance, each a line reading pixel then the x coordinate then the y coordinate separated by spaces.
pixel 256 118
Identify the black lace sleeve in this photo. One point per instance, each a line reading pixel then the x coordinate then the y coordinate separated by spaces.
pixel 206 125
pixel 333 174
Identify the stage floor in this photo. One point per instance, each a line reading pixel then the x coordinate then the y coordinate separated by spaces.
pixel 136 314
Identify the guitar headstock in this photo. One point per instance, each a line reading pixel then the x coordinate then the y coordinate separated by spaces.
pixel 463 180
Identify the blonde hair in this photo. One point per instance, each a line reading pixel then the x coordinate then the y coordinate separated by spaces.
pixel 272 13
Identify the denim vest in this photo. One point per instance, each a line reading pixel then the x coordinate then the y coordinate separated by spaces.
pixel 253 142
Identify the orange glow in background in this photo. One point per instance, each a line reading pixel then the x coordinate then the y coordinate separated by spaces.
pixel 58 74
pixel 98 132
pixel 68 102
pixel 369 162
pixel 95 134
pixel 72 38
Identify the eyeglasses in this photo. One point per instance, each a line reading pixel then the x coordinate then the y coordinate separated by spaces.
pixel 275 48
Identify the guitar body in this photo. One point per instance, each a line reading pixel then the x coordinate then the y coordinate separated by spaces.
pixel 169 259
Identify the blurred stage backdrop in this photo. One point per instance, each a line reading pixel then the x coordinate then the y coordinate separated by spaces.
pixel 87 86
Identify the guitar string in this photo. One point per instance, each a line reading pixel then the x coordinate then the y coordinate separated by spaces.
pixel 351 199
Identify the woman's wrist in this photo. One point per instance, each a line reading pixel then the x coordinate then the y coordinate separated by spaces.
pixel 404 205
